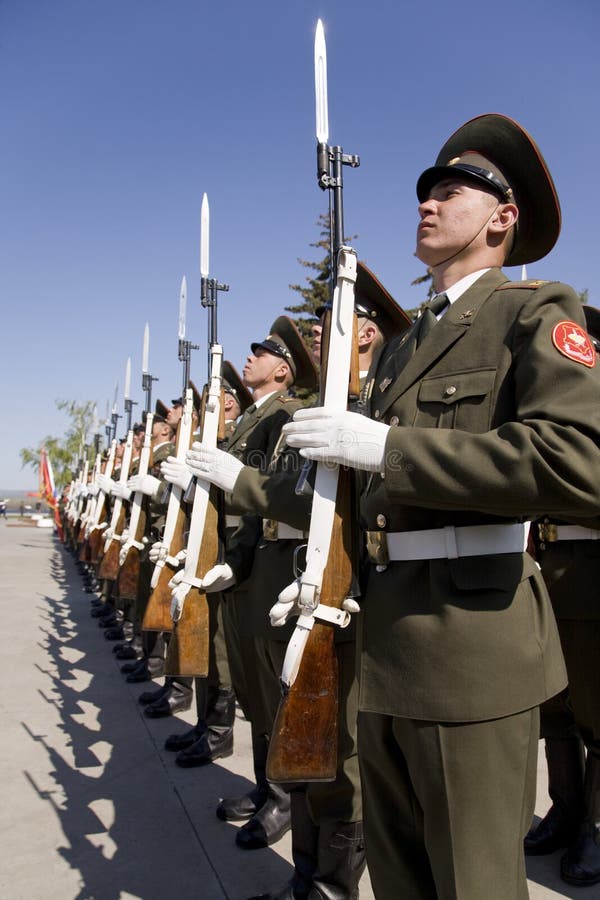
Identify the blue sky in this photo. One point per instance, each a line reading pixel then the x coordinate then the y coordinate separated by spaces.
pixel 118 115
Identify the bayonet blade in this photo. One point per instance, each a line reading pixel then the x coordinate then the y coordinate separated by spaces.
pixel 204 237
pixel 114 407
pixel 127 379
pixel 322 118
pixel 182 305
pixel 146 349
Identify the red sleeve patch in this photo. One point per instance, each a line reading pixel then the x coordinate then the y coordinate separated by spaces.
pixel 574 342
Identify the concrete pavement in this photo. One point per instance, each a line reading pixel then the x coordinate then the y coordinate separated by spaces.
pixel 94 807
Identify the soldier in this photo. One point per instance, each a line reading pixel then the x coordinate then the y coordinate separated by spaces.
pixel 274 365
pixel 469 437
pixel 569 556
pixel 215 698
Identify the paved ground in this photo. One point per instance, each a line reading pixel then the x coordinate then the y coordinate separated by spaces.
pixel 93 807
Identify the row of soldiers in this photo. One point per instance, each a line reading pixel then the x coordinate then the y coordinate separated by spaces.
pixel 471 423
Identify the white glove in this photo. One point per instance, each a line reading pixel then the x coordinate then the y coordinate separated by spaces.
pixel 287 604
pixel 156 551
pixel 345 438
pixel 144 484
pixel 93 489
pixel 124 536
pixel 178 597
pixel 105 483
pixel 218 578
pixel 120 490
pixel 176 472
pixel 214 465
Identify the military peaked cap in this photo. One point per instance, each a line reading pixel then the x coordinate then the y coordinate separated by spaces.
pixel 496 152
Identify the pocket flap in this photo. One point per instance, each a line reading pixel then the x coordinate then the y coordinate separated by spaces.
pixel 456 386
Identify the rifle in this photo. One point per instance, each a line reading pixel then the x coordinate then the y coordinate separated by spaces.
pixel 189 645
pixel 99 522
pixel 109 567
pixel 88 515
pixel 129 557
pixel 157 616
pixel 303 745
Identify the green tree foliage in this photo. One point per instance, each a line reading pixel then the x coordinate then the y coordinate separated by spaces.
pixel 64 453
pixel 316 292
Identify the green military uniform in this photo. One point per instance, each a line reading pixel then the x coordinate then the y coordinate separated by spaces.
pixel 569 556
pixel 493 420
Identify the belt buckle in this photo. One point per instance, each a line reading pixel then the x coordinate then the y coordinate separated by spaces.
pixel 377 548
pixel 547 532
pixel 270 529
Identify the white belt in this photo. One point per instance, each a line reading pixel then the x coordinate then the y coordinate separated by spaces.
pixel 576 533
pixel 232 521
pixel 451 542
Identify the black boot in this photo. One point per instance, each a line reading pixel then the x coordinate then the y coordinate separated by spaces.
pixel 177 699
pixel 342 861
pixel 148 697
pixel 581 863
pixel 237 809
pixel 216 739
pixel 305 838
pixel 177 742
pixel 269 824
pixel 560 825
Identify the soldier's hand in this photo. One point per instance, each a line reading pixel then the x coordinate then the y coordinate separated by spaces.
pixel 216 466
pixel 178 600
pixel 144 484
pixel 219 578
pixel 287 604
pixel 93 489
pixel 105 483
pixel 157 551
pixel 118 489
pixel 345 438
pixel 176 472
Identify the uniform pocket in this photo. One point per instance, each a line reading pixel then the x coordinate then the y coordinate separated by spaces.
pixel 456 400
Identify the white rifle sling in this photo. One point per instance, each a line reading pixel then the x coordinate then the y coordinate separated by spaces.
pixel 138 497
pixel 326 478
pixel 176 493
pixel 210 432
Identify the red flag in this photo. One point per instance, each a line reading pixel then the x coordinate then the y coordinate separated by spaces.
pixel 47 487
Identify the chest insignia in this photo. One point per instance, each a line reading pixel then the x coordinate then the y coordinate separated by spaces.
pixel 384 385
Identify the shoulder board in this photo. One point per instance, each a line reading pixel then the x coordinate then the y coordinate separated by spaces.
pixel 284 399
pixel 524 285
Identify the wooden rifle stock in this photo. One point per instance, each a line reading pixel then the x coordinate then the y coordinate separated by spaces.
pixel 109 567
pixel 189 645
pixel 158 612
pixel 303 745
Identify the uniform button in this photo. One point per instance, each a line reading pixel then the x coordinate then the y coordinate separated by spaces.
pixel 451 389
pixel 394 420
pixel 381 520
pixel 243 445
pixel 376 414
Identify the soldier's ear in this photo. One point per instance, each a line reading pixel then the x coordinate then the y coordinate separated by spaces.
pixel 504 218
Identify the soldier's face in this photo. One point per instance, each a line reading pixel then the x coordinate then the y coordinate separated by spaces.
pixel 453 221
pixel 174 415
pixel 317 332
pixel 260 367
pixel 138 440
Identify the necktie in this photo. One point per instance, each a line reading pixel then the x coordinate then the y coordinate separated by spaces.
pixel 428 317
